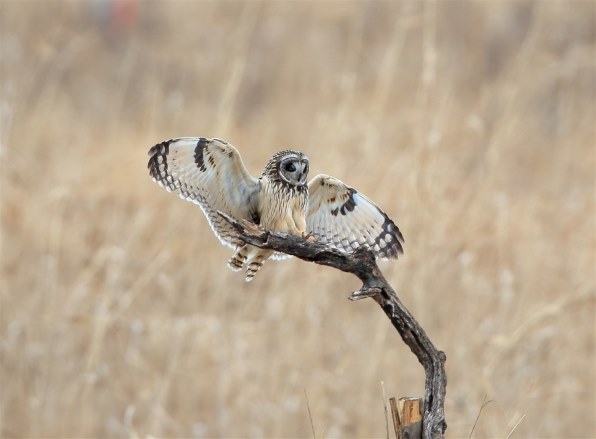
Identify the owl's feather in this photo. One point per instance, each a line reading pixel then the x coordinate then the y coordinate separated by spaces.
pixel 341 217
pixel 210 173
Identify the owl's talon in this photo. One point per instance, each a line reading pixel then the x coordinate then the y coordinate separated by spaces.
pixel 309 237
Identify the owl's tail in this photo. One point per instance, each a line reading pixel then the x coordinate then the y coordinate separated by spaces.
pixel 237 261
pixel 253 257
pixel 255 265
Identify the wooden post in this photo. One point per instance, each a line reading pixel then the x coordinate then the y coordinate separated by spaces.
pixel 407 418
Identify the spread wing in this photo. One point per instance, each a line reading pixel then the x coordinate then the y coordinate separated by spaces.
pixel 210 173
pixel 341 217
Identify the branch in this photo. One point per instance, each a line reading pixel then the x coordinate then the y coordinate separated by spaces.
pixel 362 264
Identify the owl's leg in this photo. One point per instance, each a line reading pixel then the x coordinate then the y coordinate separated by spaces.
pixel 297 222
pixel 237 261
pixel 256 262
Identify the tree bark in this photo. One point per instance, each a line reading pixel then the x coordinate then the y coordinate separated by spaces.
pixel 362 264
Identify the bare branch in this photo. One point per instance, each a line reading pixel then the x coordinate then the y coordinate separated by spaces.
pixel 362 264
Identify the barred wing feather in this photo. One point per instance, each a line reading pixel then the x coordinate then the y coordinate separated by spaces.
pixel 210 173
pixel 343 218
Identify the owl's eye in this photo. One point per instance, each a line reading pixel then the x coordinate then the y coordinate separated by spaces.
pixel 290 167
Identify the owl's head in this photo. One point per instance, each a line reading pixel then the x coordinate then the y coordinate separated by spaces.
pixel 288 167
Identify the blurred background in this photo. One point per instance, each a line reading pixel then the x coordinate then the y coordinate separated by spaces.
pixel 470 123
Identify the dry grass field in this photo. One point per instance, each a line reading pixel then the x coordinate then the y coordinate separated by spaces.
pixel 470 123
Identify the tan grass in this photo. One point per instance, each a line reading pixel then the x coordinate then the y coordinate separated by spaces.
pixel 471 123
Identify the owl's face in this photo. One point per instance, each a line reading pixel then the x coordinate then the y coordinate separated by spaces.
pixel 294 169
pixel 289 167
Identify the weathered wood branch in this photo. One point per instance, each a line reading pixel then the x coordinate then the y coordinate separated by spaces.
pixel 362 264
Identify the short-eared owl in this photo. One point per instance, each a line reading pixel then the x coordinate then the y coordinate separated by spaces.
pixel 210 173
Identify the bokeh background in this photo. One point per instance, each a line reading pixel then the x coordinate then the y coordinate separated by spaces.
pixel 470 123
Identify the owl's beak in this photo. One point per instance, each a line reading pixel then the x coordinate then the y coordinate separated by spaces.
pixel 304 173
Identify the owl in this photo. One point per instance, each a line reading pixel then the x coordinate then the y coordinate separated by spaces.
pixel 210 173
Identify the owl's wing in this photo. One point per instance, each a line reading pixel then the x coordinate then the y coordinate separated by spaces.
pixel 344 219
pixel 210 173
pixel 279 256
